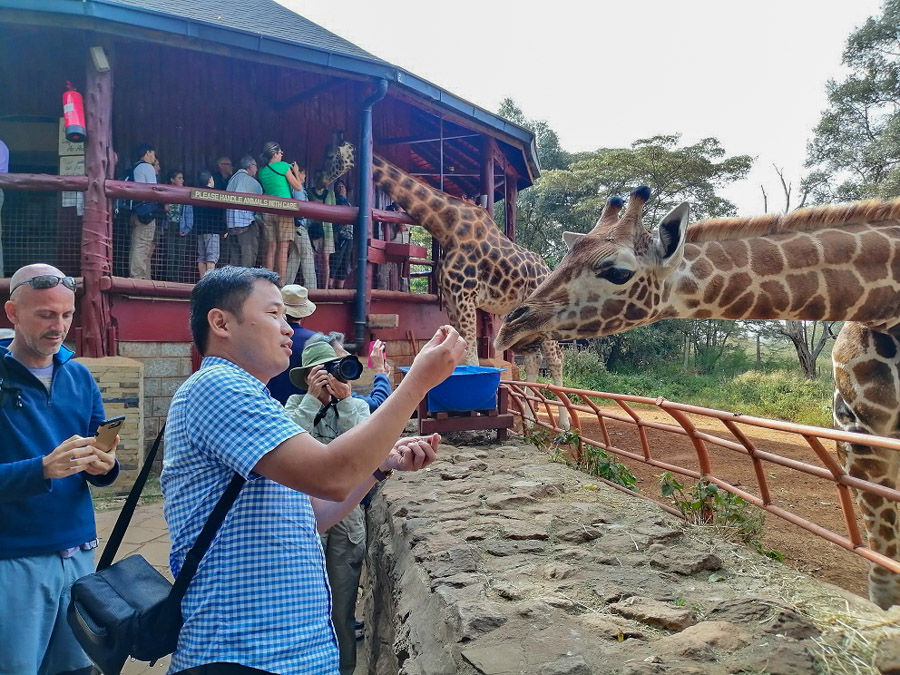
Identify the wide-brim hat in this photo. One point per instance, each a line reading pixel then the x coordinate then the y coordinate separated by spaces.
pixel 313 355
pixel 296 301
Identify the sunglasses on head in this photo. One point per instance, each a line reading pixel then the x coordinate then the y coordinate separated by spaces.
pixel 46 281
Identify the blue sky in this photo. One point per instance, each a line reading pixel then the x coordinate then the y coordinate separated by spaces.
pixel 605 74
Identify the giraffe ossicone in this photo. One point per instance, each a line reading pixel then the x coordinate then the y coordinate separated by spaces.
pixel 828 263
pixel 481 268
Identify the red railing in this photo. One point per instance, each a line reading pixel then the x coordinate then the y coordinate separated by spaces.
pixel 542 402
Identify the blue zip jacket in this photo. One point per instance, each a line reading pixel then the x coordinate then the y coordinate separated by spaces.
pixel 40 515
pixel 381 389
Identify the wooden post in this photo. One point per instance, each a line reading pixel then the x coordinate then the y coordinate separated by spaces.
pixel 487 172
pixel 96 235
pixel 511 190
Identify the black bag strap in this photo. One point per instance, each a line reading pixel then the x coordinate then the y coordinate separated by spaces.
pixel 7 389
pixel 267 166
pixel 124 519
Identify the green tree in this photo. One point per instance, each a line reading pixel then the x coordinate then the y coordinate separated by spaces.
pixel 855 153
pixel 572 198
pixel 549 151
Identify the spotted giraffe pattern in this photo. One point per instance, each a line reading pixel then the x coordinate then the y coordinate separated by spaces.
pixel 338 161
pixel 831 263
pixel 481 267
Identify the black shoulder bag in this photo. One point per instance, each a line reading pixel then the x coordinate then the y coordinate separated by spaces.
pixel 128 609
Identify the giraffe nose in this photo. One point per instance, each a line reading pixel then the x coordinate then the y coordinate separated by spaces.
pixel 518 313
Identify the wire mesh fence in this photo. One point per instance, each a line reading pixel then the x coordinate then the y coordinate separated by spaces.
pixel 40 227
pixel 179 243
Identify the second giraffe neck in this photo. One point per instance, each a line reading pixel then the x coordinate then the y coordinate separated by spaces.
pixel 831 275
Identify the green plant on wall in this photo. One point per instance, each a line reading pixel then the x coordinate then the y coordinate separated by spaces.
pixel 598 462
pixel 705 504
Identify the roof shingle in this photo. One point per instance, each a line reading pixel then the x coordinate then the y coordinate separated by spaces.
pixel 264 17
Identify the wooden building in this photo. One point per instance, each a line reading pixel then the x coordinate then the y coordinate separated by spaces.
pixel 199 79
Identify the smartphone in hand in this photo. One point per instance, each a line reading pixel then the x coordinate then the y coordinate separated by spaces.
pixel 107 432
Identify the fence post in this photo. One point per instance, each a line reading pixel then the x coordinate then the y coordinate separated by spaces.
pixel 96 235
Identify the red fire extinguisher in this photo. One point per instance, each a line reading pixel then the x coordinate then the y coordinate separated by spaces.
pixel 73 115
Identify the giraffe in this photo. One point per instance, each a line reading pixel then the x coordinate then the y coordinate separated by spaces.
pixel 824 263
pixel 481 267
pixel 338 161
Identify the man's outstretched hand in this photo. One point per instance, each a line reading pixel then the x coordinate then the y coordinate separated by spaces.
pixel 412 453
pixel 437 359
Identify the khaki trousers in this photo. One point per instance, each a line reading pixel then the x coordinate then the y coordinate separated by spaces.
pixel 143 242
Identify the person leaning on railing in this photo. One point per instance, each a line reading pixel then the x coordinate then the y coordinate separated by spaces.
pixel 277 178
pixel 176 243
pixel 243 226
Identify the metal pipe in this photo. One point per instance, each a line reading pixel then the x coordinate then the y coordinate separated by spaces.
pixel 364 217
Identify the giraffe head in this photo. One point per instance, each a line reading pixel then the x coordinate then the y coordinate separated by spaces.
pixel 613 278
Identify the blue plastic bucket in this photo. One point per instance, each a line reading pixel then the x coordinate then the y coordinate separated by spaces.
pixel 468 388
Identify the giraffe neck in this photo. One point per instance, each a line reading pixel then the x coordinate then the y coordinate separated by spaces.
pixel 436 211
pixel 848 273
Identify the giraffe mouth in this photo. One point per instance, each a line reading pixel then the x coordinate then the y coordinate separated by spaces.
pixel 517 331
pixel 521 344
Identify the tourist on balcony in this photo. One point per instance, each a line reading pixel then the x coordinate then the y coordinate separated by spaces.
pixel 175 241
pixel 243 226
pixel 343 241
pixel 223 173
pixel 143 224
pixel 277 178
pixel 301 256
pixel 320 232
pixel 209 225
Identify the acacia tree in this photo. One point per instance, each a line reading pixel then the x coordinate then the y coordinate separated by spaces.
pixel 855 153
pixel 809 339
pixel 572 198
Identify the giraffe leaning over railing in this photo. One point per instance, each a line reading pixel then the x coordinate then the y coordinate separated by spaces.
pixel 338 161
pixel 481 267
pixel 829 263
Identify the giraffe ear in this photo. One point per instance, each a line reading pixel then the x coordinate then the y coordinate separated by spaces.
pixel 670 236
pixel 570 238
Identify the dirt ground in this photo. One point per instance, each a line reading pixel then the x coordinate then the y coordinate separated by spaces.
pixel 807 496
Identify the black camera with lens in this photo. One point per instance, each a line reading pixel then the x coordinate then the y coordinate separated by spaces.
pixel 345 368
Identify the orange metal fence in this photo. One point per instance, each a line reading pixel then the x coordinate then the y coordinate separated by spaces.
pixel 543 402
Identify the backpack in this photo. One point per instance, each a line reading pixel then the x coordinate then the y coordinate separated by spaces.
pixel 123 206
pixel 7 389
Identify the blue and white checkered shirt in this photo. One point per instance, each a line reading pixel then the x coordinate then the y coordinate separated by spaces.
pixel 260 597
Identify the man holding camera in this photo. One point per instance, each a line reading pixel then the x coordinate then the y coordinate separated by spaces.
pixel 50 407
pixel 327 410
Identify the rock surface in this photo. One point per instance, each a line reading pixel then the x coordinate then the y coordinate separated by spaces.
pixel 497 561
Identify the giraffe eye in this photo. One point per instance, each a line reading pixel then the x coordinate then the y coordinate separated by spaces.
pixel 615 275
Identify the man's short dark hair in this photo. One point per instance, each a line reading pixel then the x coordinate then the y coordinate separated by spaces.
pixel 143 149
pixel 224 288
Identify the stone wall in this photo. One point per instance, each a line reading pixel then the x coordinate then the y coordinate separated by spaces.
pixel 496 561
pixel 120 379
pixel 166 366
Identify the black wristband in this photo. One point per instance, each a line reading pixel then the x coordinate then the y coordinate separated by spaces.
pixel 382 476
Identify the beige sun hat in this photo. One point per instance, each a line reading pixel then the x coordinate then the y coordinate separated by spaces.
pixel 296 301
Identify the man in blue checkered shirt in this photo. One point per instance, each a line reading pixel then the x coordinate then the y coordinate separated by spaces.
pixel 260 600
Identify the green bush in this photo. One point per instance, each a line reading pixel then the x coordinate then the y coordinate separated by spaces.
pixel 779 394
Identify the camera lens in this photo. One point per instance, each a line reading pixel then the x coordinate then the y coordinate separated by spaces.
pixel 345 368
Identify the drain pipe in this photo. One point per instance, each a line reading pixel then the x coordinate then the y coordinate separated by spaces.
pixel 364 219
